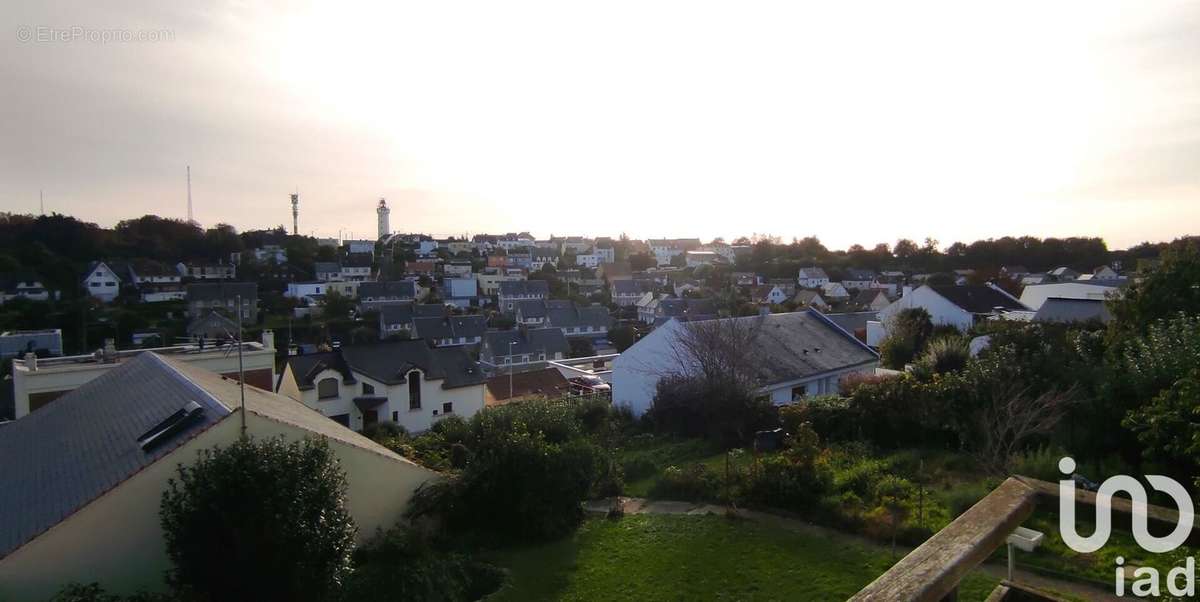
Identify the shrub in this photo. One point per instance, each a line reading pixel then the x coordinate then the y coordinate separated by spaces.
pixel 402 564
pixel 638 467
pixel 780 482
pixel 719 411
pixel 92 592
pixel 1039 463
pixel 260 519
pixel 946 354
pixel 452 428
pixel 692 483
pixel 828 415
pixel 380 432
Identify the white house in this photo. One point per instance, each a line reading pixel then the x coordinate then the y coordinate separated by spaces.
pixel 1034 295
pixel 813 277
pixel 627 292
pixel 27 286
pixel 773 294
pixel 88 511
pixel 1105 273
pixel 798 354
pixel 858 279
pixel 404 382
pixel 589 260
pixel 514 348
pixel 699 258
pixel 101 281
pixel 957 306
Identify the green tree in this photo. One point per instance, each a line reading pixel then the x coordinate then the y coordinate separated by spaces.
pixel 1172 288
pixel 622 337
pixel 259 520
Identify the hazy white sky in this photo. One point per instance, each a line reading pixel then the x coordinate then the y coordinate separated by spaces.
pixel 857 122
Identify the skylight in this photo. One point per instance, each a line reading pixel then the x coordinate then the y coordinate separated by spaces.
pixel 171 425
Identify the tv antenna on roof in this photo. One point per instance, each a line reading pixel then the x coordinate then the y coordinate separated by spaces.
pixel 189 187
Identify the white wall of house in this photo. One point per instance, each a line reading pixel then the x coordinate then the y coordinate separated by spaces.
pixel 941 311
pixel 1034 295
pixel 102 283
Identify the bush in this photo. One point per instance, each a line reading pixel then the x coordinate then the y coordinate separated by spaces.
pixel 1039 463
pixel 402 564
pixel 828 415
pixel 692 483
pixel 719 411
pixel 946 354
pixel 92 592
pixel 380 432
pixel 260 519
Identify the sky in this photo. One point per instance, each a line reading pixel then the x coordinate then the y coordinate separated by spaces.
pixel 857 122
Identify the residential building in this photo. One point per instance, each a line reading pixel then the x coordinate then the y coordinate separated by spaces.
pixel 490 278
pixel 204 271
pixel 769 293
pixel 810 298
pixel 532 312
pixel 356 268
pixel 37 382
pixel 101 281
pixel 647 306
pixel 575 245
pixel 420 268
pixel 796 355
pixel 374 295
pixel 746 279
pixel 23 286
pixel 1060 310
pixel 683 309
pixel 604 250
pixel 812 277
pixel 957 306
pixel 871 299
pixel 835 291
pixel 263 254
pixel 460 292
pixel 404 382
pixel 664 250
pixel 685 287
pixel 1034 295
pixel 519 386
pixel 1064 274
pixel 426 248
pixel 43 343
pixel 153 281
pixel 88 510
pixel 450 331
pixel 858 279
pixel 1014 272
pixel 326 271
pixel 222 297
pixel 457 268
pixel 355 247
pixel 508 349
pixel 611 271
pixel 520 290
pixel 1104 273
pixel 589 260
pixel 627 292
pixel 588 321
pixel 328 242
pixel 855 323
pixel 396 319
pixel 699 258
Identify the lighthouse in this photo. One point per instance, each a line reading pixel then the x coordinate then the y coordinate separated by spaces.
pixel 383 212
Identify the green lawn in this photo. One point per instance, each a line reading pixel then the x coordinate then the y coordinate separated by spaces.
pixel 657 557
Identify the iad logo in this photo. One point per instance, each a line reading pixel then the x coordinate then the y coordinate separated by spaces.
pixel 1137 493
pixel 1147 579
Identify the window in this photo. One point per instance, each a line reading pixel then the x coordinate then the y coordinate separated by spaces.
pixel 798 393
pixel 342 419
pixel 414 390
pixel 327 388
pixel 395 416
pixel 367 389
pixel 448 407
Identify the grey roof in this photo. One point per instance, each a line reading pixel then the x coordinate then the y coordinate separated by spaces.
pixel 857 274
pixel 571 316
pixel 796 345
pixel 672 308
pixel 213 325
pixel 358 260
pixel 389 363
pixel 450 327
pixel 868 295
pixel 632 287
pixel 404 313
pixel 326 267
pixel 66 454
pixel 9 282
pixel 511 288
pixel 395 289
pixel 814 272
pixel 1057 309
pixel 531 341
pixel 222 291
pixel 531 308
pixel 978 298
pixel 852 321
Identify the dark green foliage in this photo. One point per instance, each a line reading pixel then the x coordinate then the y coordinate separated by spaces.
pixel 403 564
pixel 908 332
pixel 92 592
pixel 1166 291
pixel 581 347
pixel 717 410
pixel 691 483
pixel 945 354
pixel 260 519
pixel 1168 426
pixel 622 337
pixel 528 467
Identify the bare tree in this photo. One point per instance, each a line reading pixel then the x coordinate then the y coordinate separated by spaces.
pixel 1013 415
pixel 718 351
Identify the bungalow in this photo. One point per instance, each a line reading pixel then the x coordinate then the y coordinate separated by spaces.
pixel 627 292
pixel 1055 309
pixel 834 291
pixel 403 382
pixel 1105 273
pixel 24 286
pixel 810 298
pixel 958 306
pixel 1033 296
pixel 812 277
pixel 520 290
pixel 522 347
pixel 88 510
pixel 871 299
pixel 796 355
pixel 451 331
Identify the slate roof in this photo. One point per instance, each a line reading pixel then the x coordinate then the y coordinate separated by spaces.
pixel 673 308
pixel 358 260
pixel 531 341
pixel 513 288
pixel 978 298
pixel 326 267
pixel 213 325
pixel 570 316
pixel 808 296
pixel 857 274
pixel 395 289
pixel 814 272
pixel 531 308
pixel 10 281
pixel 1057 309
pixel 404 313
pixel 450 327
pixel 389 363
pixel 221 291
pixel 632 287
pixel 796 345
pixel 66 454
pixel 868 295
pixel 549 382
pixel 853 321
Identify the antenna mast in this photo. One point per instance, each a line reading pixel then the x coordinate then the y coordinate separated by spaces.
pixel 189 184
pixel 296 214
pixel 241 366
pixel 42 202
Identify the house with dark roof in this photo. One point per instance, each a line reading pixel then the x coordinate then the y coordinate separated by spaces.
pixel 521 290
pixel 451 331
pixel 794 355
pixel 574 321
pixel 404 382
pixel 810 298
pixel 375 295
pixel 1072 311
pixel 203 297
pixel 327 270
pixel 517 386
pixel 627 292
pixel 81 491
pixel 101 281
pixel 958 306
pixel 858 279
pixel 22 285
pixel 522 347
pixel 396 319
pixel 812 277
pixel 687 309
pixel 870 299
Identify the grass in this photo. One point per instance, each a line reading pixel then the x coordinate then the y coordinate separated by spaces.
pixel 661 557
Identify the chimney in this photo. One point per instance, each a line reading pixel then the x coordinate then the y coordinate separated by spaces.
pixel 268 339
pixel 906 291
pixel 110 351
pixel 764 309
pixel 31 361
